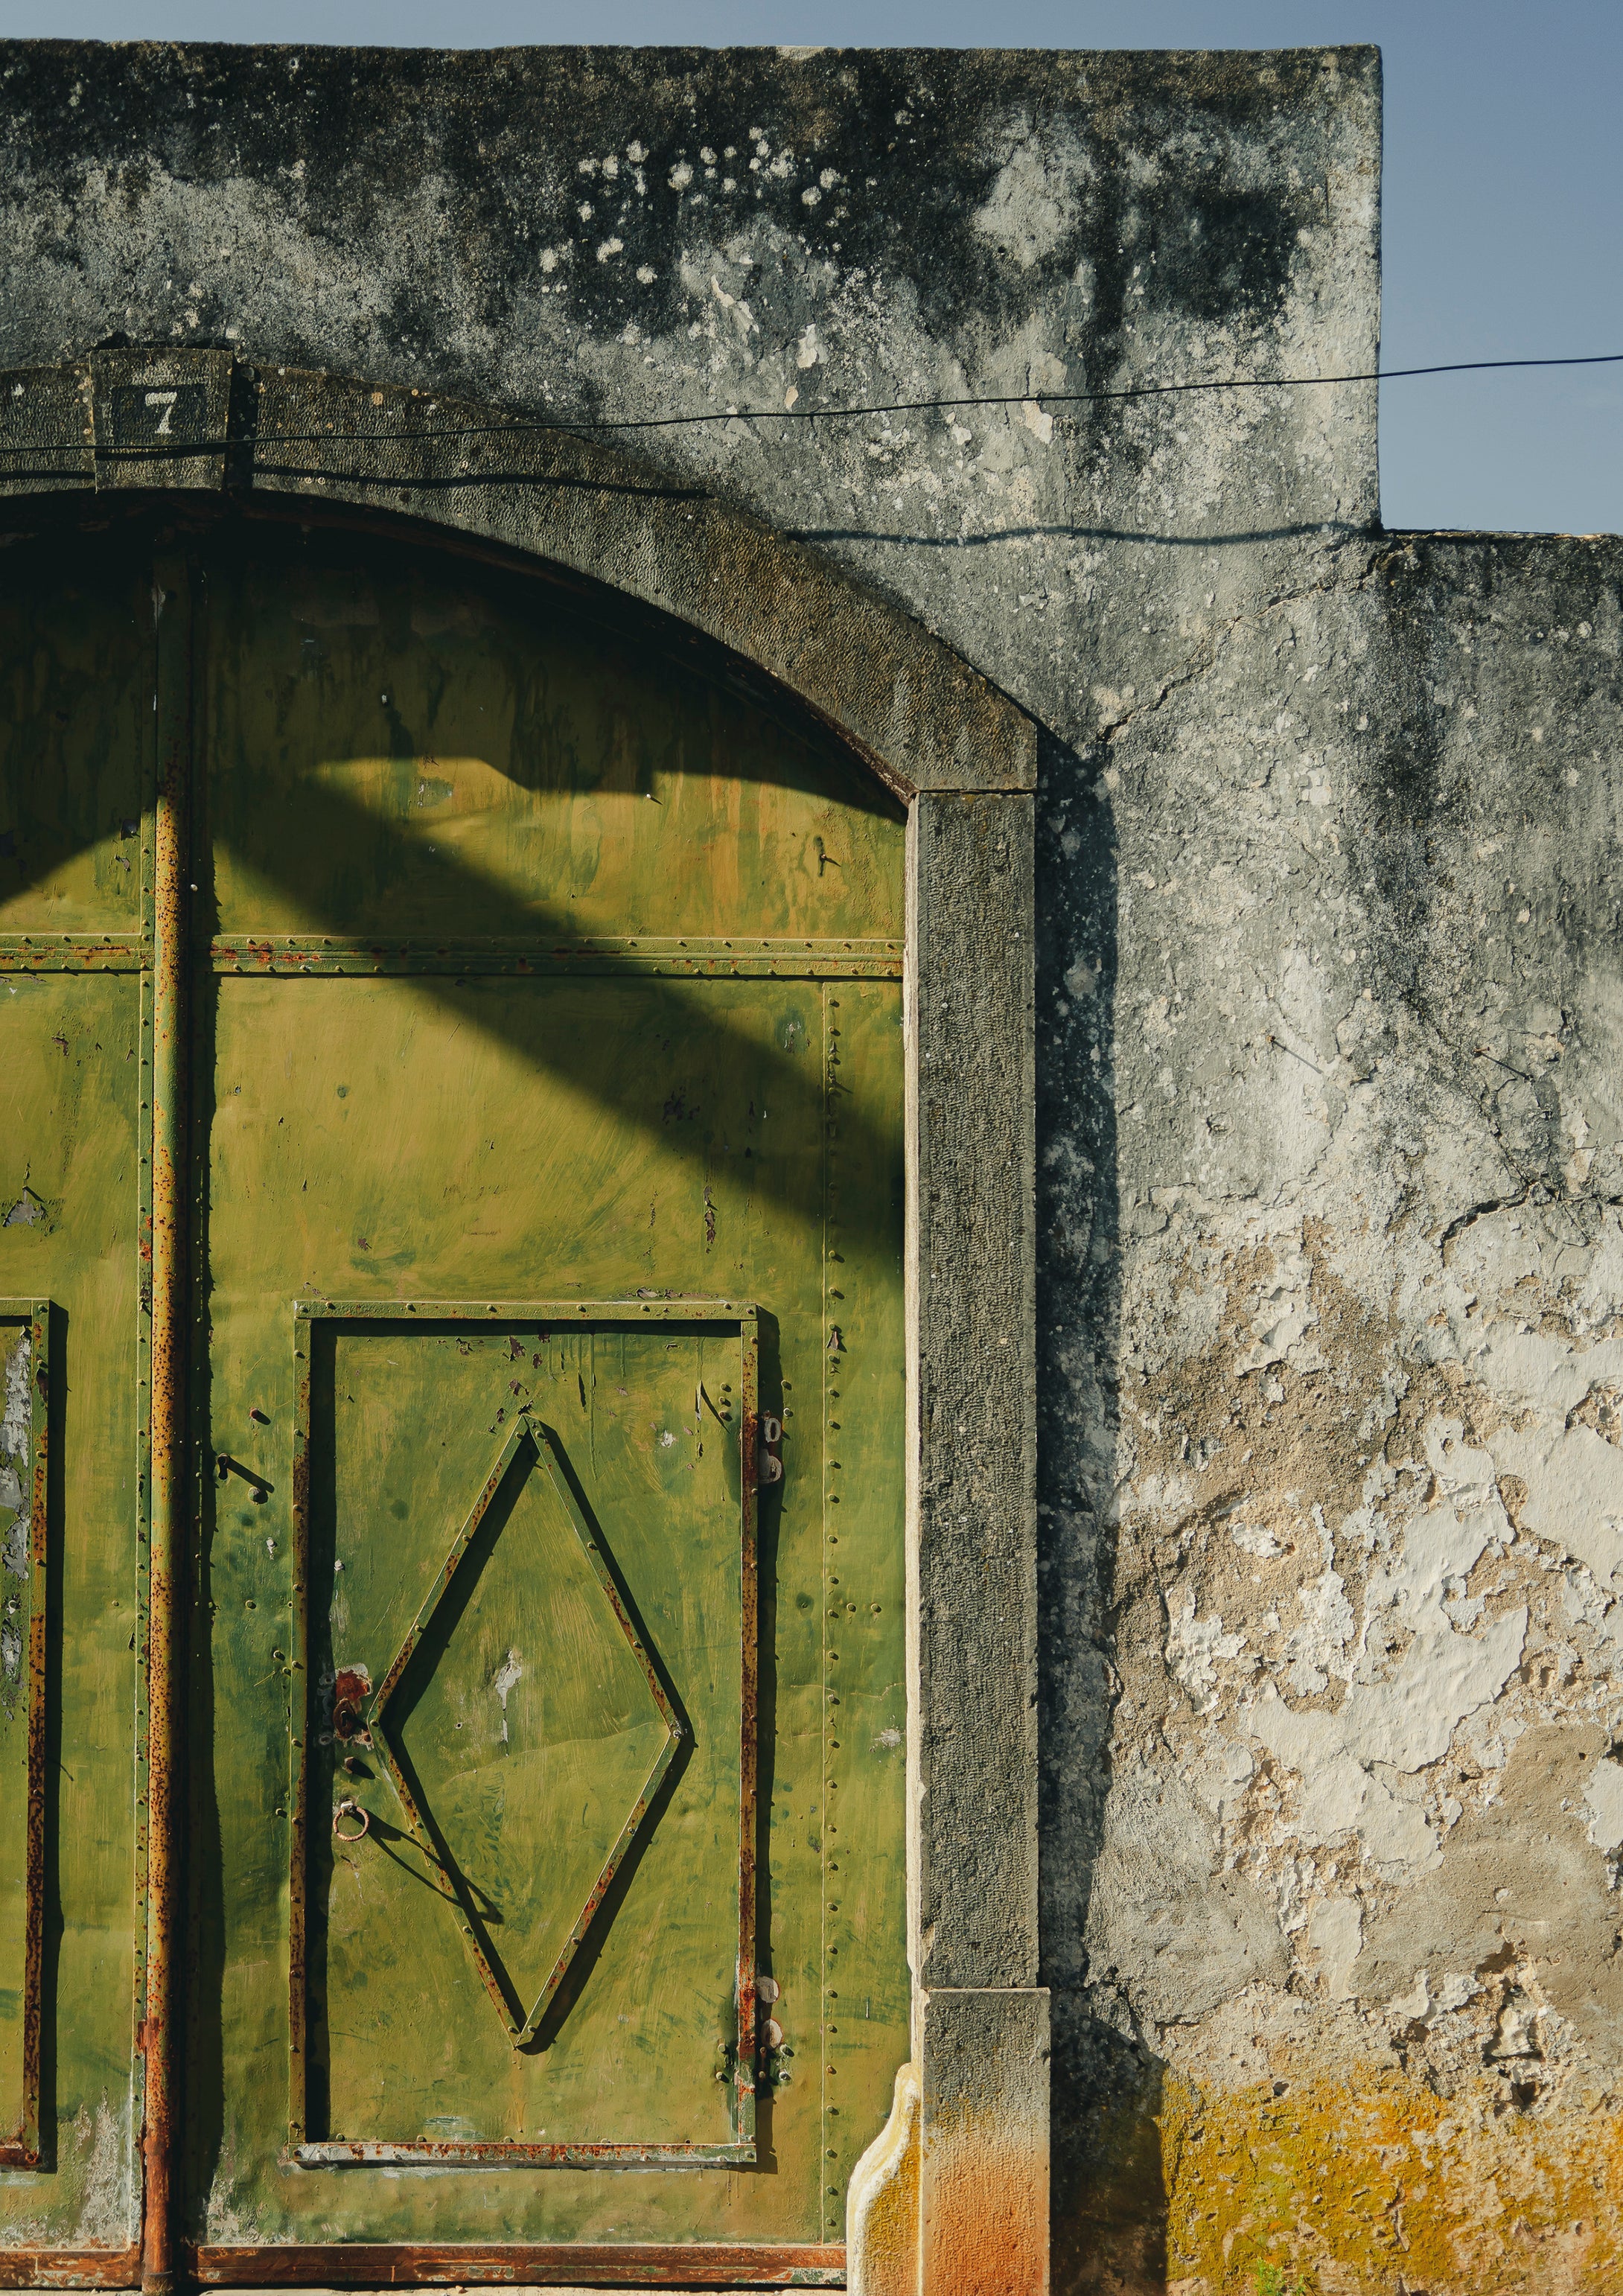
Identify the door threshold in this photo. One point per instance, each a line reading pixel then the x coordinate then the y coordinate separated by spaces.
pixel 682 2266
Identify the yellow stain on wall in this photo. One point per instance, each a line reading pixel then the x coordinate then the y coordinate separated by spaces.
pixel 1364 2182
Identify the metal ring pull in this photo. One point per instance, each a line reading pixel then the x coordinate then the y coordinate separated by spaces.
pixel 355 1810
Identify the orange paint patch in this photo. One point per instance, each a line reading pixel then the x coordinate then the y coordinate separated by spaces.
pixel 985 2212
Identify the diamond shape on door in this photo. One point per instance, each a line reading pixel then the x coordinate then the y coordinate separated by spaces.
pixel 523 1722
pixel 485 1756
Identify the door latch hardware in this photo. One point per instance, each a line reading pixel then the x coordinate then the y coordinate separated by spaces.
pixel 768 1457
pixel 347 1808
pixel 224 1465
pixel 351 1687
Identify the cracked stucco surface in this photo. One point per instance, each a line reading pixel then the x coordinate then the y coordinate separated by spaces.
pixel 1353 1483
pixel 1329 1000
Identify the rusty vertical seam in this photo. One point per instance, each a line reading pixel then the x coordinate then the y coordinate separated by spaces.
pixel 299 1727
pixel 144 1519
pixel 748 1374
pixel 170 596
pixel 825 2200
pixel 33 1884
pixel 144 1398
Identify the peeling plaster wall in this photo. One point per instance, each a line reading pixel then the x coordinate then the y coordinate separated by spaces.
pixel 1347 1992
pixel 1332 1363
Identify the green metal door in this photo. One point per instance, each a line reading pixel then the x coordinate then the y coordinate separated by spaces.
pixel 76 807
pixel 537 1003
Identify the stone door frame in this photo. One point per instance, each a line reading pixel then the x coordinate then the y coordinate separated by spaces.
pixel 954 2194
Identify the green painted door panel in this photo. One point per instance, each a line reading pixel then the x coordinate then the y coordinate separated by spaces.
pixel 862 1788
pixel 534 1730
pixel 70 1191
pixel 76 651
pixel 75 774
pixel 403 746
pixel 437 782
pixel 648 1159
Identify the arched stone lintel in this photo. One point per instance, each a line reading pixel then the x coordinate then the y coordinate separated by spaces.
pixel 162 419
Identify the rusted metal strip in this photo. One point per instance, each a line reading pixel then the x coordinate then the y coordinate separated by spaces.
pixel 378 2153
pixel 678 2264
pixel 72 952
pixel 299 1730
pixel 172 613
pixel 785 960
pixel 71 2268
pixel 745 2070
pixel 672 1308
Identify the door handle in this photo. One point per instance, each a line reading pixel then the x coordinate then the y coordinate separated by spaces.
pixel 347 1808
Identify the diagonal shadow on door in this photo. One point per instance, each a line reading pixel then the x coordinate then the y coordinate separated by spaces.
pixel 796 1097
pixel 791 1085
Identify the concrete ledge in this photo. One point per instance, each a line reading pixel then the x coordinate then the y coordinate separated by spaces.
pixel 882 2204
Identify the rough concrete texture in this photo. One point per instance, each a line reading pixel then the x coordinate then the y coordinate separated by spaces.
pixel 630 235
pixel 1331 1257
pixel 974 1887
pixel 1354 1483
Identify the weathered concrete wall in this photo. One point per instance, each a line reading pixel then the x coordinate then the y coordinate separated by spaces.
pixel 1348 1983
pixel 1331 1388
pixel 635 235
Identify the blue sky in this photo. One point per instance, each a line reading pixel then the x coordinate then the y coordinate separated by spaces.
pixel 1503 237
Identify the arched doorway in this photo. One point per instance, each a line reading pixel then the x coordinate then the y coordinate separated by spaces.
pixel 531 998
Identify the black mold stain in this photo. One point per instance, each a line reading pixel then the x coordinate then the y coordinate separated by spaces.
pixel 479 187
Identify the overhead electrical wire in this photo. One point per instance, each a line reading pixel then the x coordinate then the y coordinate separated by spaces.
pixel 1028 397
pixel 179 449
